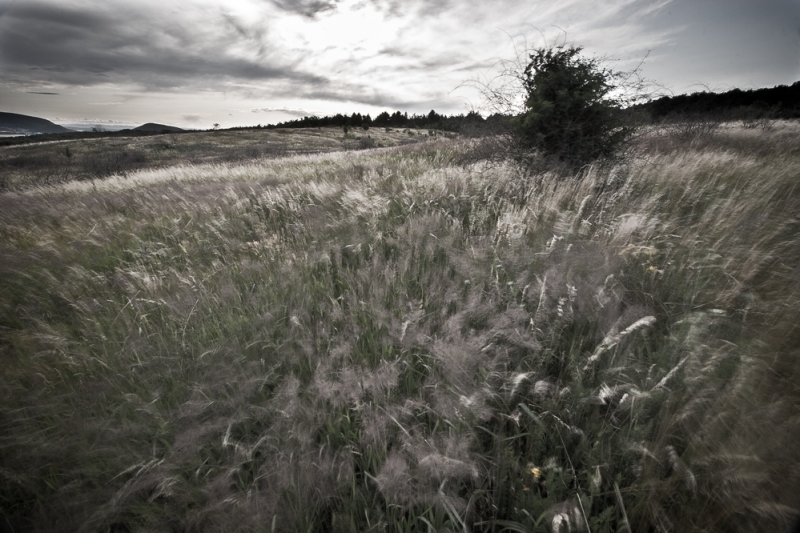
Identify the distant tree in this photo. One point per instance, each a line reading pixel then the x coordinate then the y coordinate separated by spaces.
pixel 382 119
pixel 777 102
pixel 216 125
pixel 471 123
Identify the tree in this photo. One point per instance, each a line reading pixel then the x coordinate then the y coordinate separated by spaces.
pixel 569 114
pixel 382 119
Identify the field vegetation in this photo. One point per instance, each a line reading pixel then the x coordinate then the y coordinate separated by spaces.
pixel 399 339
pixel 73 158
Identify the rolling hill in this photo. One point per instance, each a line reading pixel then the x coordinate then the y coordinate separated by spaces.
pixel 151 126
pixel 24 124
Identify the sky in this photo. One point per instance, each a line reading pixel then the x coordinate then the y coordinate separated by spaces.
pixel 193 63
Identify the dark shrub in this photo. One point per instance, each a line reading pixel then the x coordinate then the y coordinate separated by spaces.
pixel 569 113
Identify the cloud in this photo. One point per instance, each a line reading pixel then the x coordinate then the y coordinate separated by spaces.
pixel 192 118
pixel 375 52
pixel 421 8
pixel 206 57
pixel 157 48
pixel 307 8
pixel 37 92
pixel 293 112
pixel 149 46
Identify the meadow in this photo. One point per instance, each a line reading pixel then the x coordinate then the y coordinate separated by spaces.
pixel 405 339
pixel 36 164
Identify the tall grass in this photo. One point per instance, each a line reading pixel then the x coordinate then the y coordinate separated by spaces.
pixel 69 160
pixel 389 341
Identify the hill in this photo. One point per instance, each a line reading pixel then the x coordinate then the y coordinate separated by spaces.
pixel 152 126
pixel 15 123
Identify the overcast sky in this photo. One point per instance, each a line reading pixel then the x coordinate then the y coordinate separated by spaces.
pixel 192 63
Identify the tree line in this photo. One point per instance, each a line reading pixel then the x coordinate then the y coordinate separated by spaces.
pixel 782 101
pixel 462 123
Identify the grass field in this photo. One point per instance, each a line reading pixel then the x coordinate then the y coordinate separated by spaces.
pixel 395 340
pixel 55 162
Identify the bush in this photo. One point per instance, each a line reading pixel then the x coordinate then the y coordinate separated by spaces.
pixel 569 113
pixel 365 143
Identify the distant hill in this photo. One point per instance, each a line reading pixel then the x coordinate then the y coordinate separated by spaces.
pixel 24 124
pixel 152 126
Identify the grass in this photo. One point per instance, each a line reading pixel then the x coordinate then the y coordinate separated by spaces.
pixel 87 159
pixel 388 340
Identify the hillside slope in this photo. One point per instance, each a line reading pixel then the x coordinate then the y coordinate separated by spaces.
pixel 15 123
pixel 152 126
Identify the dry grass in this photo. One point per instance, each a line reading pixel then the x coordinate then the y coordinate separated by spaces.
pixel 388 341
pixel 54 163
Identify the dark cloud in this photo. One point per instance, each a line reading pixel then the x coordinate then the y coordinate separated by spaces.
pixel 360 95
pixel 434 8
pixel 393 51
pixel 307 8
pixel 37 92
pixel 192 118
pixel 94 46
pixel 420 59
pixel 105 46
